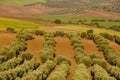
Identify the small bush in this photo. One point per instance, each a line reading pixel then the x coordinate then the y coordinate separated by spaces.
pixel 83 35
pixel 39 32
pixel 107 36
pixel 11 30
pixel 57 21
pixel 101 62
pixel 90 31
pixel 26 55
pixel 59 33
pixel 117 39
pixel 61 59
pixel 81 72
pixel 90 34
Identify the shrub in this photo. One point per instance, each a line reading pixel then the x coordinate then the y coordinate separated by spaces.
pixel 39 32
pixel 60 73
pixel 26 55
pixel 23 34
pixel 83 59
pixel 100 62
pixel 19 71
pixel 9 29
pixel 89 31
pixel 76 45
pixel 80 73
pixel 45 55
pixel 41 73
pixel 92 56
pixel 11 64
pixel 90 34
pixel 59 33
pixel 57 21
pixel 107 36
pixel 61 59
pixel 100 73
pixel 114 71
pixel 83 35
pixel 117 39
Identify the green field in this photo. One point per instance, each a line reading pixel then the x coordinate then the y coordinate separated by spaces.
pixel 84 29
pixel 17 24
pixel 19 2
pixel 76 19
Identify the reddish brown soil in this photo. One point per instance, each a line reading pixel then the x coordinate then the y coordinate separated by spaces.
pixel 115 46
pixel 6 39
pixel 34 46
pixel 14 11
pixel 63 47
pixel 90 47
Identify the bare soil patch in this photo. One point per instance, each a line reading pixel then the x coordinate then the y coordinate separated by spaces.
pixel 90 47
pixel 63 47
pixel 6 39
pixel 115 46
pixel 34 46
pixel 13 11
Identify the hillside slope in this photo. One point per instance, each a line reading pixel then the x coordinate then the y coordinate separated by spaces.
pixel 7 22
pixel 19 2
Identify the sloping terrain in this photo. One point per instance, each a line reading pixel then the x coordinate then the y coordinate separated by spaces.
pixel 63 47
pixel 14 11
pixel 17 24
pixel 97 13
pixel 19 2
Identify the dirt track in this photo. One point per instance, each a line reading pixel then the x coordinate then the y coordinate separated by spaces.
pixel 6 39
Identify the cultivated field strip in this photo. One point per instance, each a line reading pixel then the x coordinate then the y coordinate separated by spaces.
pixel 61 56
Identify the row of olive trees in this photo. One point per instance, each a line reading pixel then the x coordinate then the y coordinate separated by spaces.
pixel 11 64
pixel 19 71
pixel 62 70
pixel 78 48
pixel 17 46
pixel 117 39
pixel 41 73
pixel 81 72
pixel 100 74
pixel 111 55
pixel 111 37
pixel 83 61
pixel 48 51
pixel 87 60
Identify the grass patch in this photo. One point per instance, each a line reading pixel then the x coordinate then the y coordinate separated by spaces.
pixel 83 29
pixel 17 24
pixel 76 19
pixel 19 2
